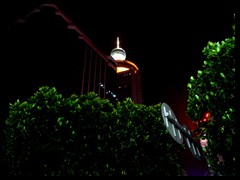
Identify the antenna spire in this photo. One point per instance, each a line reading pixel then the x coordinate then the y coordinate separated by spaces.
pixel 118 53
pixel 117 42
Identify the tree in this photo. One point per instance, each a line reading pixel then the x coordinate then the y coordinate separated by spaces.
pixel 211 101
pixel 84 135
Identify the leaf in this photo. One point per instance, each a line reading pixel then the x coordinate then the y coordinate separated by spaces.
pixel 199 72
pixel 207 97
pixel 222 75
pixel 189 85
pixel 212 83
pixel 191 78
pixel 197 97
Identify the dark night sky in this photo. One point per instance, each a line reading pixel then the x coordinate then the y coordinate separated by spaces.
pixel 164 39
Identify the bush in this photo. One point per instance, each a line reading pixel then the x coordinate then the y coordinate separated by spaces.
pixel 49 135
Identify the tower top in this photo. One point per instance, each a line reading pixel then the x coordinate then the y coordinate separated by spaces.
pixel 118 42
pixel 118 53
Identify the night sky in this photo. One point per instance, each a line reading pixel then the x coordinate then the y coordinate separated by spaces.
pixel 164 39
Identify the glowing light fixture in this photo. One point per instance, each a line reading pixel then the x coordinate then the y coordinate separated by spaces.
pixel 122 69
pixel 118 53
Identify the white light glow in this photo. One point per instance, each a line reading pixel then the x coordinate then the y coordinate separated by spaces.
pixel 122 69
pixel 118 53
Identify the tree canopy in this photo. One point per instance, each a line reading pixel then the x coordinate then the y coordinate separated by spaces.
pixel 84 135
pixel 211 104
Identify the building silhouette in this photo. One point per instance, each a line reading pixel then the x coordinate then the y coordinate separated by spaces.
pixel 128 76
pixel 46 48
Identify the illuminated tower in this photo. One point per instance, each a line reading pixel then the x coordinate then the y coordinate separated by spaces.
pixel 128 76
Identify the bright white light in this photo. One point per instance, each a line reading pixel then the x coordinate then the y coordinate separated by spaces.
pixel 118 54
pixel 121 69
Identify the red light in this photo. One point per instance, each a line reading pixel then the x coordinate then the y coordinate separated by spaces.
pixel 207 114
pixel 207 117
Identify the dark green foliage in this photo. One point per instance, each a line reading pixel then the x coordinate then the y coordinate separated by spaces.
pixel 49 135
pixel 213 90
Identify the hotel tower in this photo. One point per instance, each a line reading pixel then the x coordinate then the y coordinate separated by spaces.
pixel 128 76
